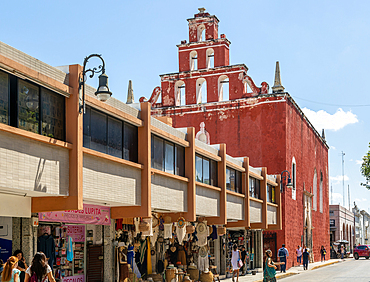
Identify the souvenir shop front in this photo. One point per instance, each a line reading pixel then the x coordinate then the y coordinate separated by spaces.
pixel 159 249
pixel 71 243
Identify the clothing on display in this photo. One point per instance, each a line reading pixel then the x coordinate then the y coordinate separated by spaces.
pixel 203 261
pixel 180 233
pixel 46 244
pixel 70 249
pixel 167 230
pixel 202 234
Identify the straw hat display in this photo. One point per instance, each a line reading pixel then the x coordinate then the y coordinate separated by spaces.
pixel 190 229
pixel 221 231
pixel 144 226
pixel 201 228
pixel 206 276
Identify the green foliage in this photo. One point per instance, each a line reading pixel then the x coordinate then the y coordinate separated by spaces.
pixel 365 169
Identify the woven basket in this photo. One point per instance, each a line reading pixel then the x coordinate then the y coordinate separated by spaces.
pixel 193 274
pixel 206 277
pixel 170 274
pixel 221 231
pixel 190 229
pixel 144 226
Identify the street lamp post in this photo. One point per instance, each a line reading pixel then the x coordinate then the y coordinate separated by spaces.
pixel 283 177
pixel 102 93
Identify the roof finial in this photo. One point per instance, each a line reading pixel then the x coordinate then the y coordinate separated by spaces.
pixel 277 84
pixel 130 93
pixel 201 10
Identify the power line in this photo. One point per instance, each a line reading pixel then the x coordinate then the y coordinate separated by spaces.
pixel 327 104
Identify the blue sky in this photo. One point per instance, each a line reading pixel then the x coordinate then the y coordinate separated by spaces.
pixel 323 48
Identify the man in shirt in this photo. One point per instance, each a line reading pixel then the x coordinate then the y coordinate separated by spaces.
pixel 244 258
pixel 283 255
pixel 299 255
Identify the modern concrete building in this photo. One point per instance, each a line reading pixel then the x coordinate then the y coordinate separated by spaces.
pixel 66 172
pixel 362 229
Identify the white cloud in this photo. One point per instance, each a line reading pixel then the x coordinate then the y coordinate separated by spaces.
pixel 337 198
pixel 338 179
pixel 351 160
pixel 358 162
pixel 333 148
pixel 324 120
pixel 357 200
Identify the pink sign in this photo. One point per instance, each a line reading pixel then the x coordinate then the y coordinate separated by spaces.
pixel 77 278
pixel 77 232
pixel 90 214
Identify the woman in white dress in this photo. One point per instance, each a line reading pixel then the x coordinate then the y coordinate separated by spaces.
pixel 234 262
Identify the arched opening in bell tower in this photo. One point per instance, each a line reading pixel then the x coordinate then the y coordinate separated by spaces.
pixel 223 88
pixel 200 32
pixel 180 93
pixel 210 58
pixel 201 90
pixel 193 60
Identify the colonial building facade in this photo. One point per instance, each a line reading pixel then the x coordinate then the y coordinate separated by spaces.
pixel 225 105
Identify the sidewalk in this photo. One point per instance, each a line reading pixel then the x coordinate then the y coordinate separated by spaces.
pixel 291 271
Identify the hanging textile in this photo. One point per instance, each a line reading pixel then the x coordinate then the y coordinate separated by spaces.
pixel 136 222
pixel 149 257
pixel 202 234
pixel 70 249
pixel 167 230
pixel 130 255
pixel 203 261
pixel 142 250
pixel 155 235
pixel 180 233
pixel 150 231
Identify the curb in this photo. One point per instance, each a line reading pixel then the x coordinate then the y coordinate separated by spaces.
pixel 280 276
pixel 322 265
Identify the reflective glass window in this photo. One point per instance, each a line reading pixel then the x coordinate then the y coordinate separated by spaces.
pixel 53 115
pixel 130 142
pixel 98 131
pixel 157 153
pixel 86 129
pixel 199 168
pixel 180 160
pixel 114 137
pixel 169 158
pixel 206 171
pixel 214 173
pixel 4 98
pixel 28 106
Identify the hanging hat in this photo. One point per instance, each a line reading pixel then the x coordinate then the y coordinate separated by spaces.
pixel 206 270
pixel 201 228
pixel 203 252
pixel 192 266
pixel 181 223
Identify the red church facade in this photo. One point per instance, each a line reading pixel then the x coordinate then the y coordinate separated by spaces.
pixel 269 128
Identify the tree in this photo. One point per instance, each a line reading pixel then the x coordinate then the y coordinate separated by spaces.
pixel 365 169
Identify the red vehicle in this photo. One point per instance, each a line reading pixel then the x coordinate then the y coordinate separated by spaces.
pixel 361 251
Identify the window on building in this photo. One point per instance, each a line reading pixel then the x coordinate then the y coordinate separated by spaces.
pixel 210 58
pixel 201 33
pixel 223 88
pixel 233 180
pixel 205 170
pixel 180 93
pixel 314 191
pixel 4 98
pixel 201 90
pixel 254 188
pixel 53 114
pixel 321 191
pixel 193 60
pixel 31 107
pixel 106 134
pixel 28 106
pixel 270 193
pixel 294 179
pixel 167 156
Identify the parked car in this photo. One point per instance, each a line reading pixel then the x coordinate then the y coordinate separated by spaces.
pixel 361 251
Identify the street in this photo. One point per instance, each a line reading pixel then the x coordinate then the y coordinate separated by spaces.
pixel 350 270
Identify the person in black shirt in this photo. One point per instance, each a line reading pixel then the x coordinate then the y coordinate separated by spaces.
pixel 22 265
pixel 244 258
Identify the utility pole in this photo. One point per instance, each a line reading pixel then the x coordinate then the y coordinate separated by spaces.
pixel 343 154
pixel 349 200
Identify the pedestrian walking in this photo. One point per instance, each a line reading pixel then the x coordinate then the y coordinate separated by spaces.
pixel 235 258
pixel 10 272
pixel 22 265
pixel 244 258
pixel 283 256
pixel 323 253
pixel 270 268
pixel 305 255
pixel 39 270
pixel 342 251
pixel 299 255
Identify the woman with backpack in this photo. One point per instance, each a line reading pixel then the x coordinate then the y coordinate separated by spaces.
pixel 39 271
pixel 10 272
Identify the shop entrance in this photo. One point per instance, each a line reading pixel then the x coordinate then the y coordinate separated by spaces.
pixel 95 263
